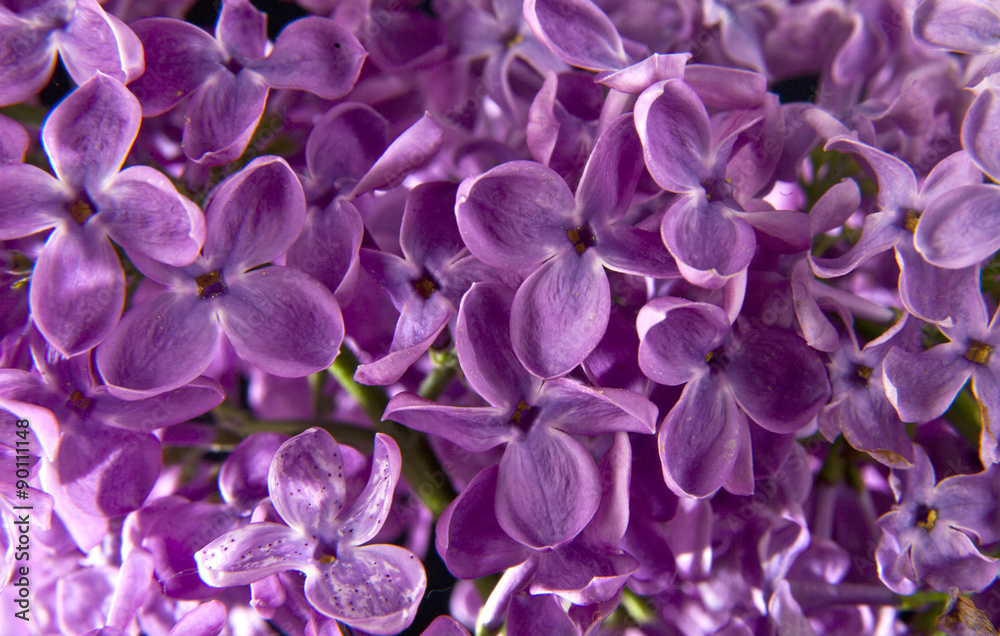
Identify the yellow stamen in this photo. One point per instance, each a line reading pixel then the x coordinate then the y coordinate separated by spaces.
pixel 978 352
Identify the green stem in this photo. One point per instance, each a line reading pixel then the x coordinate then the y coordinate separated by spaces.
pixel 445 369
pixel 637 608
pixel 241 423
pixel 421 468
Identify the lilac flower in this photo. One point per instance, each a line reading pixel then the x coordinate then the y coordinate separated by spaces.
pixel 276 317
pixel 375 588
pixel 924 288
pixel 921 385
pixel 78 287
pixel 229 76
pixel 428 285
pixel 929 534
pixel 522 216
pixel 88 40
pixel 768 374
pixel 705 228
pixel 548 484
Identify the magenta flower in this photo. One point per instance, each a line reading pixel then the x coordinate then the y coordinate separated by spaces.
pixel 375 588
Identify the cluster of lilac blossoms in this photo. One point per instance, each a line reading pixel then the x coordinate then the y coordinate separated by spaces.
pixel 521 317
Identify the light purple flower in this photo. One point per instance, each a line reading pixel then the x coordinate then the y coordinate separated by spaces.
pixel 375 588
pixel 277 318
pixel 77 285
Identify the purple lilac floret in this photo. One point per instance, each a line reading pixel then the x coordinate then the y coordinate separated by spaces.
pixel 673 317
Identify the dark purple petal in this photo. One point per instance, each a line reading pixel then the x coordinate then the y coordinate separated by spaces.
pixel 143 213
pixel 429 233
pixel 88 135
pixel 778 379
pixel 179 57
pixel 222 116
pixel 897 185
pixel 560 313
pixel 516 215
pixel 710 242
pixel 583 410
pixel 611 174
pixel 538 614
pixel 306 483
pixel 35 201
pixel 316 55
pixel 469 537
pixel 475 429
pixel 612 517
pixel 77 289
pixel 880 232
pixel 412 150
pixel 548 488
pixel 929 292
pixel 583 575
pixel 835 206
pixel 726 88
pixel 578 32
pixel 254 215
pixel 327 248
pixel 247 555
pixel 675 337
pixel 700 438
pixel 345 143
pixel 970 503
pixel 107 471
pixel 243 476
pixel 923 385
pixel 160 344
pixel 241 30
pixel 420 323
pixel 780 231
pixel 676 135
pixel 635 251
pixel 282 321
pixel 484 347
pixel 375 588
pixel 961 227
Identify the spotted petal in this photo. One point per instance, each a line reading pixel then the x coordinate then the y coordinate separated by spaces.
pixel 249 554
pixel 306 483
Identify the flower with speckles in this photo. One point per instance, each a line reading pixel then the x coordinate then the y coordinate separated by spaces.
pixel 375 588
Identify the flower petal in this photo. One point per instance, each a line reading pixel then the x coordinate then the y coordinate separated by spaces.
pixel 778 379
pixel 583 410
pixel 88 135
pixel 469 537
pixel 516 215
pixel 29 58
pixel 484 347
pixel 981 132
pixel 254 215
pixel 548 489
pixel 676 135
pixel 316 55
pixel 578 32
pixel 77 289
pixel 144 213
pixel 961 227
pixel 676 335
pixel 94 42
pixel 560 313
pixel 412 150
pixel 368 513
pixel 700 438
pixel 306 483
pixel 374 588
pixel 179 57
pixel 611 174
pixel 169 408
pixel 923 385
pixel 222 116
pixel 345 143
pixel 282 321
pixel 710 243
pixel 475 429
pixel 248 554
pixel 160 344
pixel 635 251
pixel 35 201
